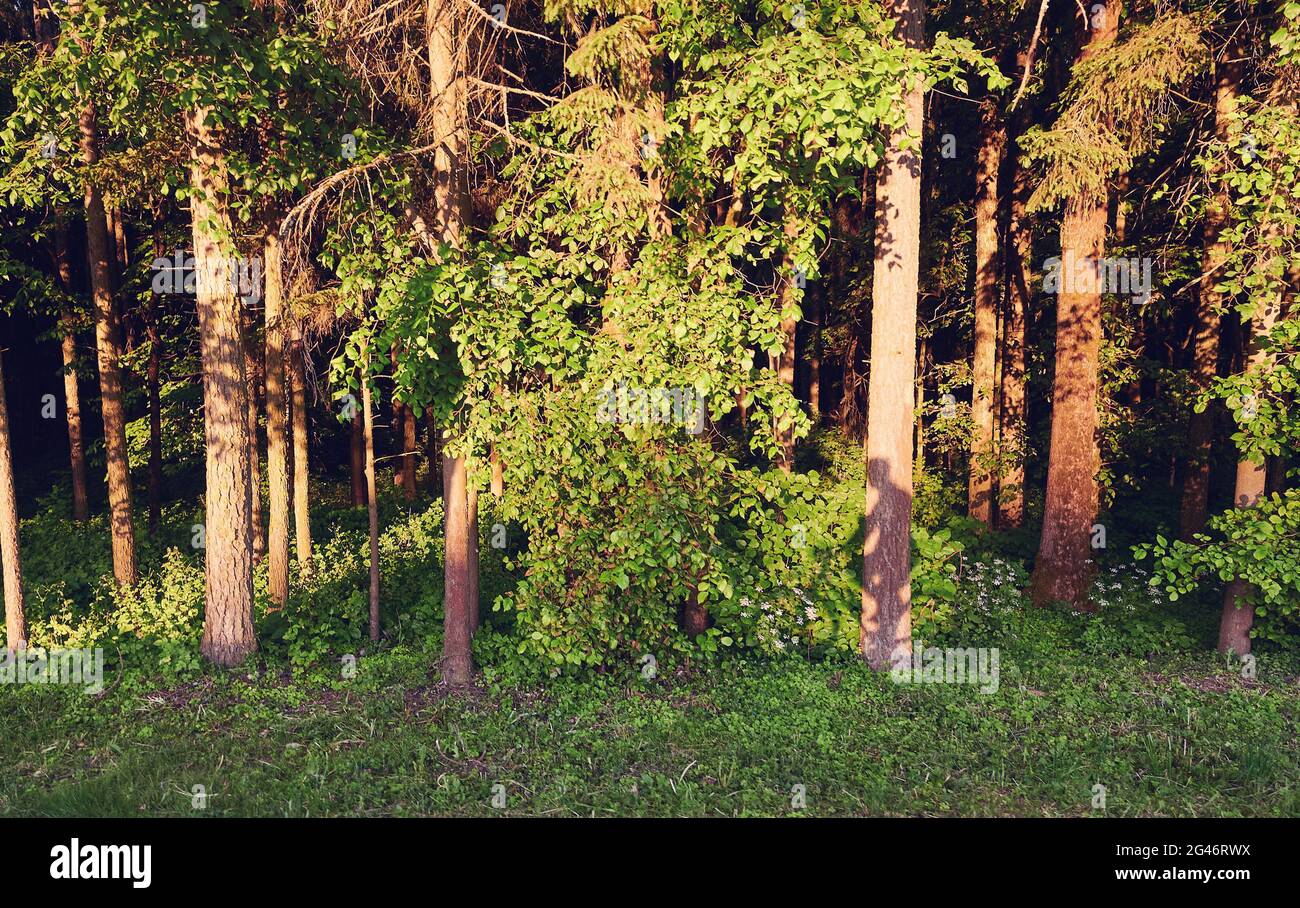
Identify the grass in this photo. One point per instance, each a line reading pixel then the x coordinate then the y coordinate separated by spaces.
pixel 1174 734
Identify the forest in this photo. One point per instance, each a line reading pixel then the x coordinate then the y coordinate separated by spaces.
pixel 650 408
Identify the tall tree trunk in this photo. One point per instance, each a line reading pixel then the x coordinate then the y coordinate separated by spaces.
pixel 357 456
pixel 404 433
pixel 988 162
pixel 277 424
pixel 297 363
pixel 71 388
pixel 432 454
pixel 785 361
pixel 449 119
pixel 886 632
pixel 1013 413
pixel 1063 569
pixel 107 329
pixel 15 611
pixel 1205 342
pixel 1252 483
pixel 923 348
pixel 228 618
pixel 816 316
pixel 471 513
pixel 154 335
pixel 372 499
pixel 254 460
pixel 457 660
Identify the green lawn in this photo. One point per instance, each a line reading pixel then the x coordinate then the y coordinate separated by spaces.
pixel 1181 733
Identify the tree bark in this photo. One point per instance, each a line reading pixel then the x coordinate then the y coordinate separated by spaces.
pixel 254 460
pixel 357 456
pixel 449 118
pixel 15 610
pixel 154 335
pixel 107 330
pixel 886 631
pixel 785 365
pixel 923 347
pixel 1252 484
pixel 988 163
pixel 457 660
pixel 409 444
pixel 301 477
pixel 277 424
pixel 228 618
pixel 471 513
pixel 71 388
pixel 1013 412
pixel 1205 342
pixel 372 499
pixel 1063 570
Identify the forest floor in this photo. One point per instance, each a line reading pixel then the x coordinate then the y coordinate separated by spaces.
pixel 1182 733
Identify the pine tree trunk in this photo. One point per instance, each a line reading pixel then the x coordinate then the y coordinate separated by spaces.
pixel 228 618
pixel 923 348
pixel 1013 412
pixel 297 364
pixel 1205 342
pixel 816 314
pixel 1063 570
pixel 785 365
pixel 357 456
pixel 471 512
pixel 449 119
pixel 254 460
pixel 433 454
pixel 15 611
pixel 71 387
pixel 457 660
pixel 277 425
pixel 886 632
pixel 372 500
pixel 154 336
pixel 1252 483
pixel 107 329
pixel 409 444
pixel 988 162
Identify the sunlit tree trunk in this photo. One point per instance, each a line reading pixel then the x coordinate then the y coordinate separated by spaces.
pixel 277 424
pixel 449 120
pixel 357 458
pixel 372 500
pixel 1063 569
pixel 988 163
pixel 107 331
pixel 228 618
pixel 498 474
pixel 71 387
pixel 457 607
pixel 297 364
pixel 153 333
pixel 886 632
pixel 15 611
pixel 923 347
pixel 471 513
pixel 1252 483
pixel 1013 411
pixel 785 361
pixel 254 460
pixel 1205 334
